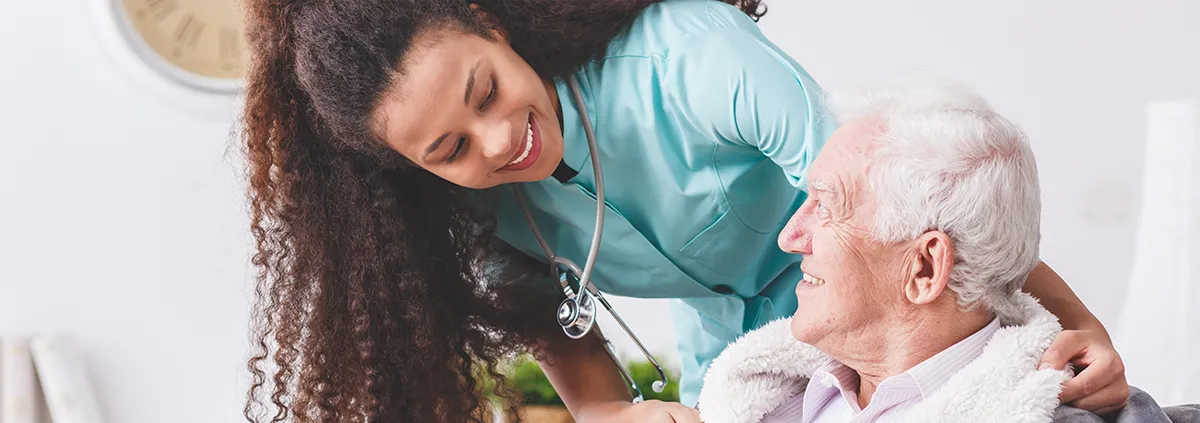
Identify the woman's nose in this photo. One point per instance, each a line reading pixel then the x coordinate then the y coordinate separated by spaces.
pixel 496 140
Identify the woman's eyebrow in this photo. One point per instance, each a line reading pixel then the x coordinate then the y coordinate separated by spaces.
pixel 466 102
pixel 434 146
pixel 471 83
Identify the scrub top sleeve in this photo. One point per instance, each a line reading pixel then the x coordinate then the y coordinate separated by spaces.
pixel 742 90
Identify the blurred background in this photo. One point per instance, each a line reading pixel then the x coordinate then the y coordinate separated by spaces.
pixel 123 224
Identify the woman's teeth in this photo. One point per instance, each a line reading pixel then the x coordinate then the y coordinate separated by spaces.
pixel 813 279
pixel 528 144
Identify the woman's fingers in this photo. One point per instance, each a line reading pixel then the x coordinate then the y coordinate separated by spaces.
pixel 1108 399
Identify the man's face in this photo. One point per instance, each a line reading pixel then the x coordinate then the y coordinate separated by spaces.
pixel 850 278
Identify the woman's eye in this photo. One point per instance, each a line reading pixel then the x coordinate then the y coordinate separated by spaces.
pixel 458 148
pixel 491 97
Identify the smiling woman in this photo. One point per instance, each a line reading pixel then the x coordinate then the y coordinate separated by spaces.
pixel 366 122
pixel 506 128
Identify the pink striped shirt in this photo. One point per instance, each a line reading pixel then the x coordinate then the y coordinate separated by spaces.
pixel 831 394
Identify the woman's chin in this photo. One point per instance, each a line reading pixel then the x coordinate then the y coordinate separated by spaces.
pixel 533 174
pixel 540 172
pixel 546 165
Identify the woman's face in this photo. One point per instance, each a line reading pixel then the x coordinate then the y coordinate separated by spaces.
pixel 472 111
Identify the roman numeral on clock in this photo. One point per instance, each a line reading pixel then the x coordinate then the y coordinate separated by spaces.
pixel 161 8
pixel 229 43
pixel 189 30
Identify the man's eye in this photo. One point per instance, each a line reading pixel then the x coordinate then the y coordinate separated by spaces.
pixel 822 210
pixel 458 148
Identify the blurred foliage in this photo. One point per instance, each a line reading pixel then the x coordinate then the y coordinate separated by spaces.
pixel 526 375
pixel 535 388
pixel 644 375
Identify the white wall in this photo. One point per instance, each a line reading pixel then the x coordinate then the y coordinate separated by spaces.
pixel 1076 74
pixel 122 224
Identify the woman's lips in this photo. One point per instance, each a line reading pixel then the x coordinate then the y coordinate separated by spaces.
pixel 530 149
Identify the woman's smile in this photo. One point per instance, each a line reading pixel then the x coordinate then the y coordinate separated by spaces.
pixel 529 148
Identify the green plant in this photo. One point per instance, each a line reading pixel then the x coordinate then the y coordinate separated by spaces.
pixel 644 375
pixel 535 388
pixel 527 376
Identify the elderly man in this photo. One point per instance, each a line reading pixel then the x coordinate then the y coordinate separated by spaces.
pixel 921 227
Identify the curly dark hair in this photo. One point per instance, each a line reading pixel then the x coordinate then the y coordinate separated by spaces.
pixel 382 296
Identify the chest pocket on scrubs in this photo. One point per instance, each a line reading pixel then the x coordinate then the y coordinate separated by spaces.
pixel 630 265
pixel 728 248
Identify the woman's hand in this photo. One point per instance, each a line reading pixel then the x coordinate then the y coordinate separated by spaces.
pixel 651 411
pixel 1101 387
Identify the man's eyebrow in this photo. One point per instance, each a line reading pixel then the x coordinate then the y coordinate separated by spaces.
pixel 471 83
pixel 820 186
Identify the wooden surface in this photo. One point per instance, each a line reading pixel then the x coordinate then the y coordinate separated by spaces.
pixel 545 414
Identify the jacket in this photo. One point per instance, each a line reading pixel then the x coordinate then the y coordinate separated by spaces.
pixel 767 367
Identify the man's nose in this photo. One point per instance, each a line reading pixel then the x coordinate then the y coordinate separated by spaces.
pixel 795 237
pixel 495 140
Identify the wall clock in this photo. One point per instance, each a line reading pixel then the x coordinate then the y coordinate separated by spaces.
pixel 199 42
pixel 192 52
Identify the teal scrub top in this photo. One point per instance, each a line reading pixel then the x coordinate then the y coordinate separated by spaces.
pixel 705 132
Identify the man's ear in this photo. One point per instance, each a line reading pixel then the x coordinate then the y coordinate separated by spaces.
pixel 491 22
pixel 930 270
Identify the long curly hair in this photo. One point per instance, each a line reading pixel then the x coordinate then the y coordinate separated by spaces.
pixel 382 296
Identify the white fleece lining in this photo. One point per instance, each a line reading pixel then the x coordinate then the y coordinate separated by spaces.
pixel 764 368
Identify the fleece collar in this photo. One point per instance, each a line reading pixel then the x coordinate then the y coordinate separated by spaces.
pixel 766 367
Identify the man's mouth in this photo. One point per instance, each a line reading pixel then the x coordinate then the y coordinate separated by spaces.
pixel 530 149
pixel 812 280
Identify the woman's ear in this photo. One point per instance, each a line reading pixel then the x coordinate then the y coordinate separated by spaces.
pixel 491 22
pixel 930 272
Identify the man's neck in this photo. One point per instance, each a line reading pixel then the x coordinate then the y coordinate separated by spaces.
pixel 919 337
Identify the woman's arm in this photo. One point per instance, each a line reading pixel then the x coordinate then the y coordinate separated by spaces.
pixel 1056 296
pixel 584 375
pixel 1101 387
pixel 592 387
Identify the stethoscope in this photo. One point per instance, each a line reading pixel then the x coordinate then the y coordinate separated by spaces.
pixel 577 313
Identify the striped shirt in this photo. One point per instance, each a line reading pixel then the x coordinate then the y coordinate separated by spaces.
pixel 832 393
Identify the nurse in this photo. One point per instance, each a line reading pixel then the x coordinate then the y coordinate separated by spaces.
pixel 384 140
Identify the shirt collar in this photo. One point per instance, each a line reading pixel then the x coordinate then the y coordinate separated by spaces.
pixel 834 378
pixel 833 381
pixel 932 373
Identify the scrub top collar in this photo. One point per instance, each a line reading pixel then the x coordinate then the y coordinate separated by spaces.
pixel 575 147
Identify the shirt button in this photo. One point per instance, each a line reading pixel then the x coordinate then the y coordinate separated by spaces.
pixel 829 381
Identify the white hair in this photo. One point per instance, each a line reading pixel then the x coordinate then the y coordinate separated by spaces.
pixel 947 161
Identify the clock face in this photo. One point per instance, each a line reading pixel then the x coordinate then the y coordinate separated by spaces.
pixel 203 38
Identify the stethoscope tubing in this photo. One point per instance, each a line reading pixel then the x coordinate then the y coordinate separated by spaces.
pixel 587 290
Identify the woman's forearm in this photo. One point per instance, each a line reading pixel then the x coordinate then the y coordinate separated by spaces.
pixel 1056 296
pixel 586 378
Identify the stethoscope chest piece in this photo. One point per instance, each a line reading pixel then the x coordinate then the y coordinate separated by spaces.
pixel 576 313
